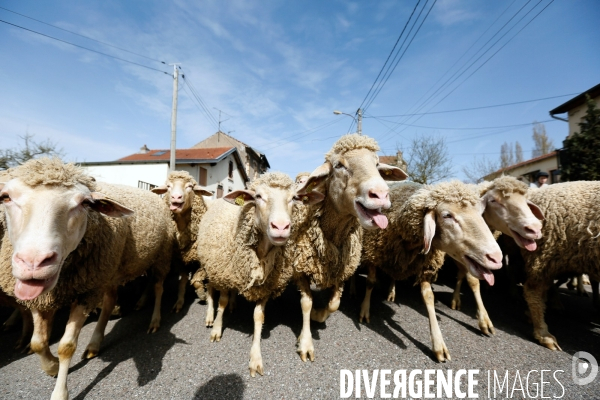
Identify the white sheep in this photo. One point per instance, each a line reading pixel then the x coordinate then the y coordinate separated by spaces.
pixel 328 249
pixel 241 247
pixel 425 223
pixel 69 245
pixel 184 198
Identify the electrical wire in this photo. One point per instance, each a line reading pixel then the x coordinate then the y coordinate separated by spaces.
pixel 303 134
pixel 83 36
pixel 472 108
pixel 85 48
pixel 466 129
pixel 200 102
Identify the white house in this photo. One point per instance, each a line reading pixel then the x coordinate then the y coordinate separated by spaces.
pixel 219 169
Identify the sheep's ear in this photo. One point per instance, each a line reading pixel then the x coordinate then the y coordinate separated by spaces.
pixel 102 204
pixel 160 189
pixel 240 197
pixel 200 191
pixel 315 179
pixel 482 204
pixel 428 230
pixel 309 198
pixel 536 210
pixel 390 173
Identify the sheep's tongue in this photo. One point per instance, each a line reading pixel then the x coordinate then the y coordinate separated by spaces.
pixel 378 218
pixel 28 290
pixel 529 244
pixel 488 276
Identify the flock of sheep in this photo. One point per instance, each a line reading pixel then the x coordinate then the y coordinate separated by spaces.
pixel 67 240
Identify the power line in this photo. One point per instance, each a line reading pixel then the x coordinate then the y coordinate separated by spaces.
pixel 203 108
pixel 303 134
pixel 405 49
pixel 472 108
pixel 389 55
pixel 465 129
pixel 85 48
pixel 83 36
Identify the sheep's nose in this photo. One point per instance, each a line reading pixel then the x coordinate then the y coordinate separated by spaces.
pixel 176 196
pixel 494 258
pixel 26 260
pixel 280 226
pixel 378 194
pixel 537 233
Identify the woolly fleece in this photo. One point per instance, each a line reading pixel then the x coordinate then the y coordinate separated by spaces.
pixel 397 249
pixel 227 247
pixel 112 251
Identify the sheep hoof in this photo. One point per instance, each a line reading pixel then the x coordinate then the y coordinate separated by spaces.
pixel 391 297
pixel 215 336
pixel 308 355
pixel 177 307
pixel 153 328
pixel 442 355
pixel 256 366
pixel 89 353
pixel 455 304
pixel 550 342
pixel 366 316
pixel 320 315
pixel 51 369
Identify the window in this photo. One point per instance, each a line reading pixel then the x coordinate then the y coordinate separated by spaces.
pixel 203 177
pixel 145 185
pixel 230 169
pixel 219 191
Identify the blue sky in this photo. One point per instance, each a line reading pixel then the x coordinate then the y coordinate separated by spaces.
pixel 278 69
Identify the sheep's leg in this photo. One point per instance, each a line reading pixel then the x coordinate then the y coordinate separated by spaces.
pixel 305 342
pixel 595 294
pixel 66 349
pixel 580 288
pixel 198 284
pixel 366 304
pixel 534 295
pixel 217 330
pixel 485 324
pixel 392 291
pixel 322 314
pixel 144 298
pixel 353 286
pixel 232 300
pixel 108 303
pixel 210 307
pixel 183 281
pixel 439 347
pixel 42 327
pixel 158 292
pixel 462 272
pixel 27 329
pixel 12 320
pixel 256 364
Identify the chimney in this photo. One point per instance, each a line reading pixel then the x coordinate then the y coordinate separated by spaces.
pixel 144 149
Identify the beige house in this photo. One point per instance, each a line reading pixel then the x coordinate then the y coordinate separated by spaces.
pixel 576 108
pixel 527 170
pixel 255 163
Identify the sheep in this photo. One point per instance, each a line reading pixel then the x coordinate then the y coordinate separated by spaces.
pixel 187 206
pixel 242 248
pixel 569 245
pixel 69 243
pixel 427 222
pixel 301 178
pixel 509 212
pixel 328 249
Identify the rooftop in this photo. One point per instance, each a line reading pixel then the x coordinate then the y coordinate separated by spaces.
pixel 196 155
pixel 576 101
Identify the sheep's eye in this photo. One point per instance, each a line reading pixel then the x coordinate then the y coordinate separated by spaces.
pixel 492 200
pixel 5 198
pixel 339 165
pixel 446 215
pixel 258 196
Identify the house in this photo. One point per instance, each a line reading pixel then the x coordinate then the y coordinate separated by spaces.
pixel 576 108
pixel 255 163
pixel 528 169
pixel 396 161
pixel 218 169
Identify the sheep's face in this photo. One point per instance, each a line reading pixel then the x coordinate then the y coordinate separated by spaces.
pixel 460 231
pixel 45 224
pixel 180 193
pixel 515 216
pixel 355 185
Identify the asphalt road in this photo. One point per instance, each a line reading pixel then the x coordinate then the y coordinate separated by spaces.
pixel 179 362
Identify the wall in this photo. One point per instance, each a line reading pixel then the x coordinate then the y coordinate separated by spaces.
pixel 576 114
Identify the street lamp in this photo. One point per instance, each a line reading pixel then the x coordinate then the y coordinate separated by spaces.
pixel 357 120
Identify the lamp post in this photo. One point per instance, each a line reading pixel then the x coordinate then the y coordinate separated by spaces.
pixel 358 119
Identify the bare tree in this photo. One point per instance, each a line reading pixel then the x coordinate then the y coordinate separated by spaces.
pixel 428 160
pixel 30 149
pixel 543 144
pixel 507 156
pixel 518 153
pixel 479 168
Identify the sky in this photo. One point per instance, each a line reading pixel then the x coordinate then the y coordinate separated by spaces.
pixel 278 69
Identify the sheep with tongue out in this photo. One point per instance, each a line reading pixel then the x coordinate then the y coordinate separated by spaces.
pixel 508 211
pixel 425 223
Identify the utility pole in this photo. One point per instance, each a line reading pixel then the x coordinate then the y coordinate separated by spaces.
pixel 174 117
pixel 359 121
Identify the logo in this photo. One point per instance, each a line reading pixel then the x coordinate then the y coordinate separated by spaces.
pixel 585 368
